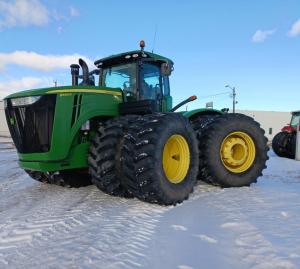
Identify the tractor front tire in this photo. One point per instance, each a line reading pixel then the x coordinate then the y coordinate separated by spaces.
pixel 160 158
pixel 65 178
pixel 105 156
pixel 233 151
pixel 284 145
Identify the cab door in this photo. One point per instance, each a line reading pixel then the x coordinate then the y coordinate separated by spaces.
pixel 151 84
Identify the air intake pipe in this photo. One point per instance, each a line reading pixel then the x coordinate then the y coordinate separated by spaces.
pixel 85 72
pixel 75 74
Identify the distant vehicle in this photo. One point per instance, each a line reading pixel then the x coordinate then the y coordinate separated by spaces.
pixel 284 143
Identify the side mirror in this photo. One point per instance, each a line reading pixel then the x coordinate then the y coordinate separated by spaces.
pixel 166 69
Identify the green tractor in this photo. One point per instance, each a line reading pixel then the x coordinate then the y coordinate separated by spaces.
pixel 122 133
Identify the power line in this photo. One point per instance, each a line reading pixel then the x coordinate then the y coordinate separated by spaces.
pixel 176 100
pixel 205 96
pixel 212 95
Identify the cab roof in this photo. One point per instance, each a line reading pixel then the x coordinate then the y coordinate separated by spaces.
pixel 129 56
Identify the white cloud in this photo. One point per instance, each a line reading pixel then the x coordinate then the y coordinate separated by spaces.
pixel 295 29
pixel 23 13
pixel 260 36
pixel 8 87
pixel 40 62
pixel 74 12
pixel 30 13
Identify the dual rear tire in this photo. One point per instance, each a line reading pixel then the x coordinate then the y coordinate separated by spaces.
pixel 233 151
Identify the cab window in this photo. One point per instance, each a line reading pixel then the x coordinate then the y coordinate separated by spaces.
pixel 123 77
pixel 295 119
pixel 150 84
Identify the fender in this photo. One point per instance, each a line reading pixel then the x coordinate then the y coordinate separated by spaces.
pixel 202 111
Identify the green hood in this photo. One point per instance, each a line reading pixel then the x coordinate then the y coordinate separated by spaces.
pixel 51 89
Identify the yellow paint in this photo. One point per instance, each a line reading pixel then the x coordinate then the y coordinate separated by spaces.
pixel 65 94
pixel 87 91
pixel 176 158
pixel 238 152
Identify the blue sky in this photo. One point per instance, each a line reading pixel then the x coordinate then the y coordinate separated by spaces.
pixel 252 45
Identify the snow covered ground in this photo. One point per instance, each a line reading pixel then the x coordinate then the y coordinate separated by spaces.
pixel 43 226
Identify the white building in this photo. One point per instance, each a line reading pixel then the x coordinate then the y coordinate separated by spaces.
pixel 271 121
pixel 3 125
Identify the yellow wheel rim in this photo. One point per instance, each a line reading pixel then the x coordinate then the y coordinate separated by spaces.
pixel 176 158
pixel 237 152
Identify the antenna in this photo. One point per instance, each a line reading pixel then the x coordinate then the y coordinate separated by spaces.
pixel 154 38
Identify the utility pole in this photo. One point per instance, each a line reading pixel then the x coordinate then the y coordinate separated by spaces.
pixel 233 99
pixel 55 83
pixel 234 102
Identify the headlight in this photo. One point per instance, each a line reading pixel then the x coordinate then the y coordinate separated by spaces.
pixel 24 101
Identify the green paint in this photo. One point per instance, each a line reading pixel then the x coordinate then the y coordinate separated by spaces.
pixel 12 121
pixel 167 103
pixel 77 158
pixel 66 144
pixel 194 112
pixel 45 90
pixel 153 56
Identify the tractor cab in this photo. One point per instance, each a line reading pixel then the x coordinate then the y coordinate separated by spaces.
pixel 142 76
pixel 292 126
pixel 295 119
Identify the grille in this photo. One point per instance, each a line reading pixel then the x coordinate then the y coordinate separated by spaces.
pixel 31 126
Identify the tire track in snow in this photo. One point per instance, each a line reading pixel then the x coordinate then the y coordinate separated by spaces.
pixel 255 249
pixel 44 226
pixel 265 216
pixel 102 232
pixel 256 227
pixel 241 218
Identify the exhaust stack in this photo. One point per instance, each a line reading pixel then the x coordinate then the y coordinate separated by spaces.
pixel 75 74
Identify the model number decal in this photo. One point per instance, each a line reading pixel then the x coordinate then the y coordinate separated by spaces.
pixel 65 94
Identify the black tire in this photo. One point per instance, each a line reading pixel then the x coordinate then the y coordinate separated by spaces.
pixel 105 156
pixel 291 146
pixel 143 150
pixel 213 168
pixel 65 178
pixel 200 123
pixel 284 145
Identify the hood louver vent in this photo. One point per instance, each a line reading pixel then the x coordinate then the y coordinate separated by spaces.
pixel 76 108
